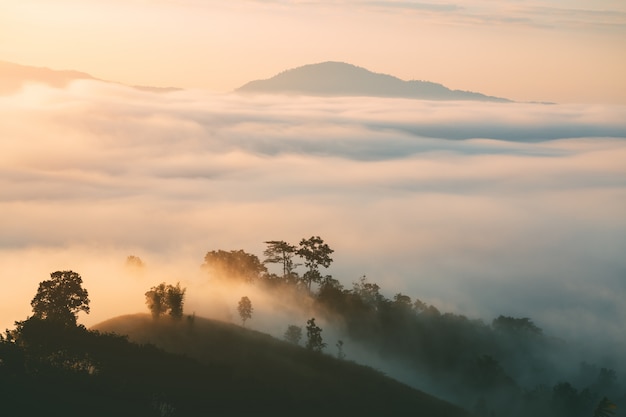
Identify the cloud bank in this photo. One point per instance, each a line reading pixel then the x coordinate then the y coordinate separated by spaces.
pixel 480 209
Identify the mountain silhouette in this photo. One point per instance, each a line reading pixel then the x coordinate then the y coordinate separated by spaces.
pixel 342 79
pixel 14 76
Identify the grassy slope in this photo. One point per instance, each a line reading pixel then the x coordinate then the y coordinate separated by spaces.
pixel 261 373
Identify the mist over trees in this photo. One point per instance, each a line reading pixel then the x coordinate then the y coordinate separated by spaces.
pixel 245 309
pixel 136 262
pixel 165 298
pixel 57 367
pixel 233 265
pixel 508 366
pixel 293 334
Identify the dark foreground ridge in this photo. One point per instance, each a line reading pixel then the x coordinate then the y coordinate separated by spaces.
pixel 232 370
pixel 341 79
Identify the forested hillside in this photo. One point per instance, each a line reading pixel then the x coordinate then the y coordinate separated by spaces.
pixel 51 366
pixel 506 366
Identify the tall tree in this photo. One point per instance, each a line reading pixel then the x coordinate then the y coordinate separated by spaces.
pixel 280 252
pixel 245 309
pixel 60 298
pixel 315 253
pixel 314 336
pixel 156 300
pixel 175 297
pixel 234 265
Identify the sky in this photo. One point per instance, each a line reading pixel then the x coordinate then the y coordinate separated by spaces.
pixel 566 51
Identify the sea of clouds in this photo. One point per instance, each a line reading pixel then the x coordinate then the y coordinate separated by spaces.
pixel 481 209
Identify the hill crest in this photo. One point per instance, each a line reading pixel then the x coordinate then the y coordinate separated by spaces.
pixel 282 371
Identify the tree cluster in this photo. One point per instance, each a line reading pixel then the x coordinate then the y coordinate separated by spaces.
pixel 486 367
pixel 166 298
pixel 49 367
pixel 242 266
pixel 506 367
pixel 235 265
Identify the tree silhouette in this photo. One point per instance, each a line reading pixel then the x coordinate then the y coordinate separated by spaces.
pixel 293 334
pixel 156 300
pixel 174 297
pixel 162 298
pixel 315 253
pixel 245 309
pixel 368 292
pixel 233 265
pixel 280 252
pixel 60 298
pixel 314 336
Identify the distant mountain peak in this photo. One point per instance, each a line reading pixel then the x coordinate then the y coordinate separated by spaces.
pixel 333 78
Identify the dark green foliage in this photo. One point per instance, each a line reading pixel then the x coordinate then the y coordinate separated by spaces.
pixel 514 325
pixel 281 252
pixel 60 298
pixel 163 298
pixel 233 265
pixel 70 371
pixel 565 400
pixel 293 334
pixel 314 339
pixel 156 301
pixel 245 309
pixel 175 297
pixel 316 254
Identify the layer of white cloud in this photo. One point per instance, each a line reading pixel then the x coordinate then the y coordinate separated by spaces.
pixel 482 209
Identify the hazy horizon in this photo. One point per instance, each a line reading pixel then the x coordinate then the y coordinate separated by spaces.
pixel 554 51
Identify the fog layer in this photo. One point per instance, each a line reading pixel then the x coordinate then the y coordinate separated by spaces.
pixel 480 209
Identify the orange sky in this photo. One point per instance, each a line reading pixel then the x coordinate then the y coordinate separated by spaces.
pixel 544 50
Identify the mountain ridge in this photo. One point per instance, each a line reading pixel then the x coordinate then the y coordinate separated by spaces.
pixel 14 76
pixel 333 78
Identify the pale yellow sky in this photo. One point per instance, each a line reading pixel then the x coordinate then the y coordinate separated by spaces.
pixel 544 50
